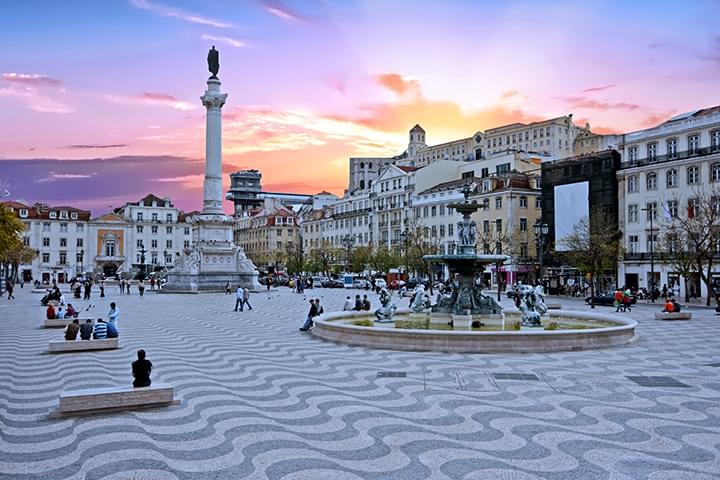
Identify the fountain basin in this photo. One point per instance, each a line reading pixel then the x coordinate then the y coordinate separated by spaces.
pixel 338 327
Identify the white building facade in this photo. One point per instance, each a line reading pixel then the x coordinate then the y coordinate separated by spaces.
pixel 663 172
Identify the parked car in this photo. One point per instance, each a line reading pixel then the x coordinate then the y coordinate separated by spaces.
pixel 607 298
pixel 318 280
pixel 360 283
pixel 380 283
pixel 330 283
pixel 397 284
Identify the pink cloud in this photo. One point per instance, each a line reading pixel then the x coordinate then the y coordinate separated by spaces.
pixel 30 79
pixel 590 104
pixel 280 10
pixel 152 98
pixel 164 11
pixel 598 88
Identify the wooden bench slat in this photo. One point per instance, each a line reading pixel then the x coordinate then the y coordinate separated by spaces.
pixel 113 398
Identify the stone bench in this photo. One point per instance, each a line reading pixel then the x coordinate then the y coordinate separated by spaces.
pixel 95 400
pixel 63 322
pixel 673 316
pixel 83 345
pixel 553 306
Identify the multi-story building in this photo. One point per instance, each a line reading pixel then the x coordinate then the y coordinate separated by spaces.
pixel 69 242
pixel 390 204
pixel 554 137
pixel 664 170
pixel 153 227
pixel 269 235
pixel 59 235
pixel 511 206
pixel 573 188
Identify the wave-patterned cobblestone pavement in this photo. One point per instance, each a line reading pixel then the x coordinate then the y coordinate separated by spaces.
pixel 259 399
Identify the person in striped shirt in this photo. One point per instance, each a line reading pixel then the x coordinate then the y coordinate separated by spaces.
pixel 100 331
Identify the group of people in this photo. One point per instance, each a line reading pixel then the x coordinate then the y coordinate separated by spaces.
pixel 622 300
pixel 315 310
pixel 298 283
pixel 100 330
pixel 85 287
pixel 671 305
pixel 360 304
pixel 125 285
pixel 54 314
pixel 242 297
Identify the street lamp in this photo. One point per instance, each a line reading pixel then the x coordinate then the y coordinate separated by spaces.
pixel 82 265
pixel 651 213
pixel 348 241
pixel 142 261
pixel 541 230
pixel 404 237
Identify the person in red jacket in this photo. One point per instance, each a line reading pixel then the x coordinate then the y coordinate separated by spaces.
pixel 50 313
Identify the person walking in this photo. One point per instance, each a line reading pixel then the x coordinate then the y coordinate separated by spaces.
pixel 141 288
pixel 10 287
pixel 87 286
pixel 228 290
pixel 268 282
pixel 245 299
pixel 238 298
pixel 152 283
pixel 102 289
pixel 311 314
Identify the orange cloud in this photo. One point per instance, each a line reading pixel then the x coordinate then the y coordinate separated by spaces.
pixel 398 83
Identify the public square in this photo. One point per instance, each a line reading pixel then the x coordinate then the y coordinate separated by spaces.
pixel 256 398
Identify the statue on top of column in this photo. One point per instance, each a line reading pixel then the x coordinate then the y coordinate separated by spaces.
pixel 213 60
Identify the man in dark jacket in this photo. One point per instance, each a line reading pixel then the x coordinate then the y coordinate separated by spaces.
pixel 86 330
pixel 311 314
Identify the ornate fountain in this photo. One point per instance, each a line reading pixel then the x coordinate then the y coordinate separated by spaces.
pixel 465 301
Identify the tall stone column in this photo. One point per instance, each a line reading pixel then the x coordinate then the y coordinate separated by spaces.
pixel 213 101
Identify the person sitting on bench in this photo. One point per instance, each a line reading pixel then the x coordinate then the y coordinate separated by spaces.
pixel 86 330
pixel 50 312
pixel 675 305
pixel 112 331
pixel 668 308
pixel 60 313
pixel 71 312
pixel 72 330
pixel 100 331
pixel 141 370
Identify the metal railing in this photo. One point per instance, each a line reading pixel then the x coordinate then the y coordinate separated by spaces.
pixel 659 159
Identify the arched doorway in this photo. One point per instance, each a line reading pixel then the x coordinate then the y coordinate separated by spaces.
pixel 109 270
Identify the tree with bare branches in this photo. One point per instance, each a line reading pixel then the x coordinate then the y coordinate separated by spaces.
pixel 699 229
pixel 593 247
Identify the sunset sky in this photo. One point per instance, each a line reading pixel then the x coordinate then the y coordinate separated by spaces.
pixel 99 100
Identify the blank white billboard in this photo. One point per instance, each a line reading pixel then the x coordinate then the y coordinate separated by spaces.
pixel 571 204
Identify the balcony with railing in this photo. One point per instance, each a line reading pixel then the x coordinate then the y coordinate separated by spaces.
pixel 660 159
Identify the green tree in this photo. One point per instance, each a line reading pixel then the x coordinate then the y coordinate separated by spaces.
pixel 11 229
pixel 593 247
pixel 359 259
pixel 322 258
pixel 382 260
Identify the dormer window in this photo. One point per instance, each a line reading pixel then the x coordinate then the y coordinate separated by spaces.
pixel 74 215
pixel 63 214
pixel 23 213
pixel 53 214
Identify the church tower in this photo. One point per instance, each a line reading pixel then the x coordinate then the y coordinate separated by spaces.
pixel 417 140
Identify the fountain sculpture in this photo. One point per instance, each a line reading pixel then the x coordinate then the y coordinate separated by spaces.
pixel 385 313
pixel 532 305
pixel 465 296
